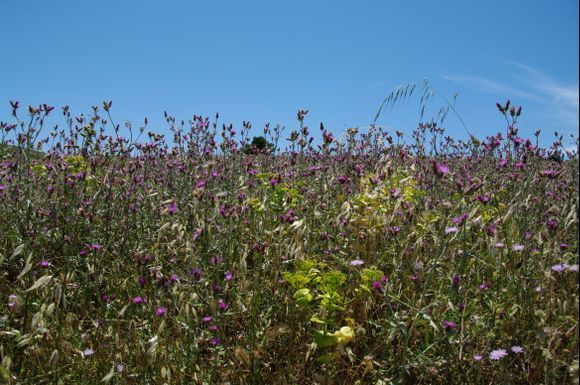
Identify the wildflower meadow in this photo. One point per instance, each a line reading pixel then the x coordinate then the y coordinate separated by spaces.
pixel 223 254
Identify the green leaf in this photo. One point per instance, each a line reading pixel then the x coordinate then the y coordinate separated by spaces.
pixel 323 339
pixel 303 296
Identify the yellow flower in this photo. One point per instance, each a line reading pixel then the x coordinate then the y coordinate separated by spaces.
pixel 344 335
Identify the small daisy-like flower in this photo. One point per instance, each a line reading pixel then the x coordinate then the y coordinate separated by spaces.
pixel 451 230
pixel 560 267
pixel 517 349
pixel 356 262
pixel 497 354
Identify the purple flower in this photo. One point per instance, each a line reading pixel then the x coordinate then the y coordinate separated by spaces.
pixel 458 221
pixel 517 247
pixel 222 305
pixel 88 352
pixel 517 349
pixel 214 341
pixel 196 272
pixel 497 354
pixel 160 311
pixel 172 208
pixel 138 300
pixel 356 262
pixel 451 230
pixel 477 357
pixel 485 286
pixel 456 280
pixel 229 276
pixel 449 325
pixel 44 263
pixel 207 318
pixel 560 267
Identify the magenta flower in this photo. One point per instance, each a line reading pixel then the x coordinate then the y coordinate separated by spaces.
pixel 229 276
pixel 172 208
pixel 207 318
pixel 44 263
pixel 160 311
pixel 222 305
pixel 449 325
pixel 138 300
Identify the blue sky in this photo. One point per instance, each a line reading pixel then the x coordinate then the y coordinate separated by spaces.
pixel 261 61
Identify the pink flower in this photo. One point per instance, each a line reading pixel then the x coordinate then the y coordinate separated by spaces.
pixel 160 311
pixel 222 305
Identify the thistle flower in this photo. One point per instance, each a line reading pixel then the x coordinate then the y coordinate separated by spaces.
pixel 449 325
pixel 160 311
pixel 44 263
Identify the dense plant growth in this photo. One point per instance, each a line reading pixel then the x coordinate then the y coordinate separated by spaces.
pixel 369 259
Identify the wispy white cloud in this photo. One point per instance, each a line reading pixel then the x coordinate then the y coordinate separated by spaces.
pixel 558 101
pixel 559 93
pixel 490 86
